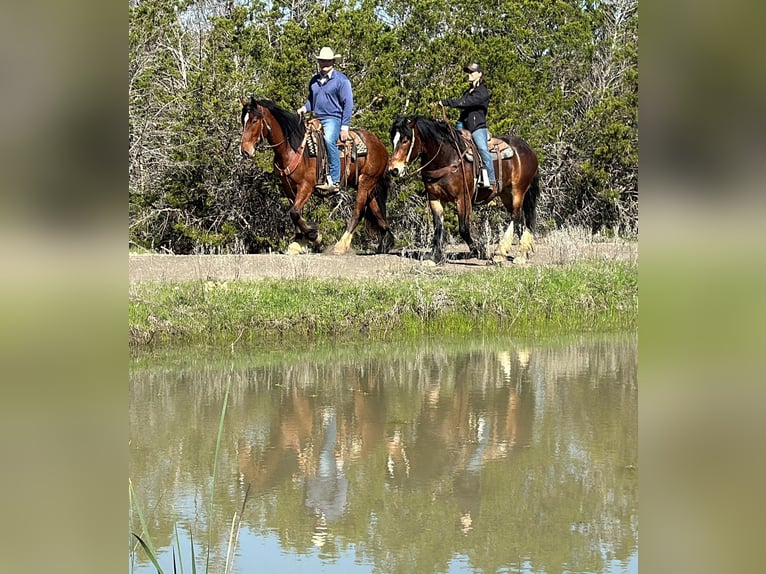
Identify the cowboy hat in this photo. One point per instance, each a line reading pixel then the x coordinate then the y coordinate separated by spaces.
pixel 327 53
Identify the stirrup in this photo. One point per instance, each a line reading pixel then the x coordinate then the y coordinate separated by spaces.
pixel 327 188
pixel 494 191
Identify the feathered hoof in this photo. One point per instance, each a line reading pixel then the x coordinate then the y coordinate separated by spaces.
pixel 296 248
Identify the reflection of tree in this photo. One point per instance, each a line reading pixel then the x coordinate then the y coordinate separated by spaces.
pixel 499 454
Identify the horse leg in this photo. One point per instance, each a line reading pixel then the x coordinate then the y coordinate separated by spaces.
pixel 376 213
pixel 526 243
pixel 526 239
pixel 464 228
pixel 303 228
pixel 506 241
pixel 386 237
pixel 437 211
pixel 517 220
pixel 529 205
pixel 362 194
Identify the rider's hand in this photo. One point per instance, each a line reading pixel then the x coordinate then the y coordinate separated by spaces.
pixel 300 111
pixel 343 134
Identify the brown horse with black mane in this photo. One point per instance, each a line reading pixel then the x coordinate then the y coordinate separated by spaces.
pixel 448 177
pixel 286 134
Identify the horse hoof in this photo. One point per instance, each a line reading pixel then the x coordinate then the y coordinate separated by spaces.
pixel 295 248
pixel 338 250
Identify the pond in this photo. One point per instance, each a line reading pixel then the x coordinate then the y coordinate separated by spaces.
pixel 442 456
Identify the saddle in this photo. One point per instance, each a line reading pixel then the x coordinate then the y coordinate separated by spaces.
pixel 498 151
pixel 497 148
pixel 352 149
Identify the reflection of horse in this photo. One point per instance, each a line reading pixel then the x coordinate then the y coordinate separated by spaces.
pixel 289 449
pixel 472 414
pixel 288 137
pixel 449 178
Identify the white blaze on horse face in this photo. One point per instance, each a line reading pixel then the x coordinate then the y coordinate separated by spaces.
pixel 397 165
pixel 412 145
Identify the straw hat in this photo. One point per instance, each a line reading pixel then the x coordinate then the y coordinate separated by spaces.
pixel 327 53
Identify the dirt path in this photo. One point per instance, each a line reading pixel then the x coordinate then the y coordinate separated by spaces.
pixel 553 251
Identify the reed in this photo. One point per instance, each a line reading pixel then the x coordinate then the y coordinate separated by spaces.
pixel 145 541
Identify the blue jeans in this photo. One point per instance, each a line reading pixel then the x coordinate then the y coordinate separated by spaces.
pixel 480 138
pixel 331 128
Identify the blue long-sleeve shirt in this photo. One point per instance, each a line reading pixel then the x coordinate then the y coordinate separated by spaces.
pixel 333 98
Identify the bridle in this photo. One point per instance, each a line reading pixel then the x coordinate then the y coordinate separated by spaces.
pixel 261 117
pixel 412 146
pixel 297 154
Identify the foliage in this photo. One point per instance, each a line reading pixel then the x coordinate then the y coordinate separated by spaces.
pixel 563 75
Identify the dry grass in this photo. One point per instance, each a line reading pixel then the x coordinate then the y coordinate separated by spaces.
pixel 571 244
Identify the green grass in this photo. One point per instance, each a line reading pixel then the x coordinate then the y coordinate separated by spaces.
pixel 592 296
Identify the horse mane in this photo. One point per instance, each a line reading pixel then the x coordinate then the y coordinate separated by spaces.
pixel 291 124
pixel 400 125
pixel 438 131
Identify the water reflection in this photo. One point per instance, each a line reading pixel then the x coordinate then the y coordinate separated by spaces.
pixel 445 456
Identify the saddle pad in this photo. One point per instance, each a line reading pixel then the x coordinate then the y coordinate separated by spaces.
pixel 358 149
pixel 504 154
pixel 495 144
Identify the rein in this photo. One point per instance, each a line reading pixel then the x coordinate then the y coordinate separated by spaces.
pixel 461 156
pixel 268 129
pixel 441 172
pixel 422 167
pixel 293 165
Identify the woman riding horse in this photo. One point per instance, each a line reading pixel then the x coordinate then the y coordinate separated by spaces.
pixel 448 177
pixel 297 170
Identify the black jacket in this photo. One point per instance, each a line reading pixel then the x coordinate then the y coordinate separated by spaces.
pixel 473 107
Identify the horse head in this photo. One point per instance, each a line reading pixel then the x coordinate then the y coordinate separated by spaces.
pixel 404 139
pixel 253 126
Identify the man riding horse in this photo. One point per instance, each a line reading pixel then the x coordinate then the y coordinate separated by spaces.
pixel 331 99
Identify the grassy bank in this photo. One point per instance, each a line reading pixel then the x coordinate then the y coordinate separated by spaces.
pixel 587 296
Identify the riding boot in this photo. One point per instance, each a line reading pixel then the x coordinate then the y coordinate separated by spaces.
pixel 328 188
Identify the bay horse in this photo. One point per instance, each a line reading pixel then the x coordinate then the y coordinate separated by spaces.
pixel 287 135
pixel 448 177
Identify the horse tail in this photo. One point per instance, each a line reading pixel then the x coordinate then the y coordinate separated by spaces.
pixel 530 202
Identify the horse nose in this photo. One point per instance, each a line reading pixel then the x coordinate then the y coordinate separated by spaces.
pixel 394 171
pixel 243 152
